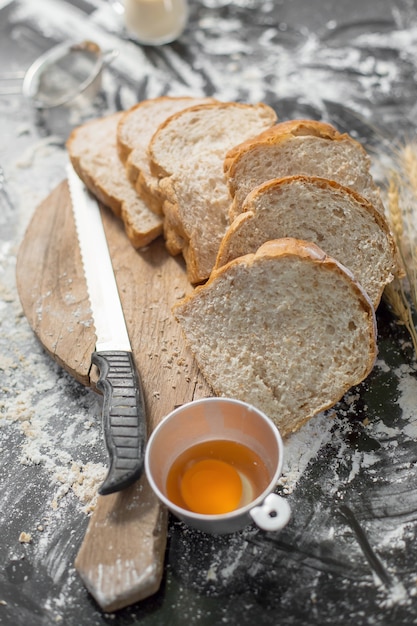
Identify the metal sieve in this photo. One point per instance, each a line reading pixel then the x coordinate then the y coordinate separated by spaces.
pixel 65 72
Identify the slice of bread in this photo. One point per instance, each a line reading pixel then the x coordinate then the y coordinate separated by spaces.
pixel 287 329
pixel 340 221
pixel 299 147
pixel 134 132
pixel 187 152
pixel 92 149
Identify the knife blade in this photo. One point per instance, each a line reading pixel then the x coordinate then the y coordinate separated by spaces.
pixel 123 411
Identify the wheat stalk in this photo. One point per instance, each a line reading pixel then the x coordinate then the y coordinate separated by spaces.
pixel 394 207
pixel 402 195
pixel 409 162
pixel 397 300
pixel 407 192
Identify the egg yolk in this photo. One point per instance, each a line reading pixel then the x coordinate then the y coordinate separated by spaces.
pixel 211 487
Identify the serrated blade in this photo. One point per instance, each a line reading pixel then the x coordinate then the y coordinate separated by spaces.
pixel 124 419
pixel 109 321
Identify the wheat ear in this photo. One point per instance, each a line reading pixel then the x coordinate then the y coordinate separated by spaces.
pixel 401 193
pixel 396 298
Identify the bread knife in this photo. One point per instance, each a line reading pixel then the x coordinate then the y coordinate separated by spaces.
pixel 123 412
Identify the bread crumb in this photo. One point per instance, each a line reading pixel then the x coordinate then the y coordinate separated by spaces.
pixel 3 603
pixel 25 537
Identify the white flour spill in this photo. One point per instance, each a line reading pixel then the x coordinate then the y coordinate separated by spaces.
pixel 302 447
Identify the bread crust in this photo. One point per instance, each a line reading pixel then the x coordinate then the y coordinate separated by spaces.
pixel 135 130
pixel 336 193
pixel 160 170
pixel 279 249
pixel 106 179
pixel 150 194
pixel 281 134
pixel 173 158
pixel 76 157
pixel 125 141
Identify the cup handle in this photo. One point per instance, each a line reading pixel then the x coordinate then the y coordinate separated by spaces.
pixel 273 514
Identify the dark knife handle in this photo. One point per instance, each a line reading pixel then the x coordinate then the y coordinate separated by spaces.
pixel 124 419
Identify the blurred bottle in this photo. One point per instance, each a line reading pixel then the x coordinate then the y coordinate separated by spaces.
pixel 155 22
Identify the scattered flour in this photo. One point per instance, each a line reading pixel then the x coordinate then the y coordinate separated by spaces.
pixel 83 480
pixel 302 447
pixel 33 402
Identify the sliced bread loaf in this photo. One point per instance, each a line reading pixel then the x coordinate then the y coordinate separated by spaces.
pixel 92 149
pixel 134 132
pixel 340 221
pixel 287 329
pixel 187 153
pixel 299 147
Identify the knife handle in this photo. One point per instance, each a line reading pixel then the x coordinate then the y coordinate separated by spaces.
pixel 124 419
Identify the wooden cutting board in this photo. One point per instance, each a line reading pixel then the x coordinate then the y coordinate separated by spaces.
pixel 121 558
